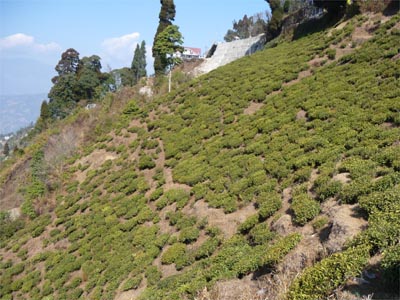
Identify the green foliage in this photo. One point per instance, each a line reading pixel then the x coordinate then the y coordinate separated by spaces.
pixel 188 235
pixel 325 187
pixel 320 222
pixel 138 65
pixel 153 275
pixel 173 254
pixel 304 208
pixel 318 281
pixel 111 231
pixel 391 265
pixel 146 162
pixel 132 283
pixel 248 224
pixel 168 42
pixel 178 196
pixel 260 234
pixel 166 16
pixel 269 203
pixel 207 248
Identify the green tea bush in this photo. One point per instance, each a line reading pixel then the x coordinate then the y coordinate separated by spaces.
pixel 326 188
pixel 188 235
pixel 146 162
pixel 180 196
pixel 248 224
pixel 173 254
pixel 153 275
pixel 319 281
pixel 391 265
pixel 351 192
pixel 156 194
pixel 304 208
pixel 269 203
pixel 132 283
pixel 207 248
pixel 260 234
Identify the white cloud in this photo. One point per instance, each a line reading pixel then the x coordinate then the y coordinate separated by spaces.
pixel 118 51
pixel 21 40
pixel 16 40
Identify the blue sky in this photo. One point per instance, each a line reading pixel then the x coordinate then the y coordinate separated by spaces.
pixel 34 33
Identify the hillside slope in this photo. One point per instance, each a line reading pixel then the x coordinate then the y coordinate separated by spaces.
pixel 247 181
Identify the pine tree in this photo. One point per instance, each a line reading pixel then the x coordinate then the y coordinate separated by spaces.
pixel 167 15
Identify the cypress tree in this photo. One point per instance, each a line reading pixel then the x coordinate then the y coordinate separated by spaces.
pixel 138 66
pixel 143 63
pixel 166 16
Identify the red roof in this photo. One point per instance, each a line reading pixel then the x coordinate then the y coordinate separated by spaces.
pixel 192 51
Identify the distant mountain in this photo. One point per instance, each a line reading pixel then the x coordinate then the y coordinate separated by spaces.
pixel 17 111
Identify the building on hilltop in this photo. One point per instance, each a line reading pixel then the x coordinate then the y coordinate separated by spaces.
pixel 190 53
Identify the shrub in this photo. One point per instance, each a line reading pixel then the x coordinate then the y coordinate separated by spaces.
pixel 156 194
pixel 207 248
pixel 270 203
pixel 146 162
pixel 153 275
pixel 318 281
pixel 132 283
pixel 173 254
pixel 180 196
pixel 304 208
pixel 260 234
pixel 320 222
pixel 391 266
pixel 188 235
pixel 248 224
pixel 325 187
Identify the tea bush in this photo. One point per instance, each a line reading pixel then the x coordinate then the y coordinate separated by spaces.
pixel 319 281
pixel 304 208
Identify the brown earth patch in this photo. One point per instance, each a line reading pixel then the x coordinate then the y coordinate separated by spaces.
pixel 347 222
pixel 9 196
pixel 228 223
pixel 342 177
pixel 301 115
pixel 95 160
pixel 253 108
pixel 234 289
pixel 132 294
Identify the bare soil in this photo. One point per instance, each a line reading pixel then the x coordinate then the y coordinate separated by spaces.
pixel 228 223
pixel 253 108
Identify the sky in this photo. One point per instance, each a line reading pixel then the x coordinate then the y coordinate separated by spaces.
pixel 34 33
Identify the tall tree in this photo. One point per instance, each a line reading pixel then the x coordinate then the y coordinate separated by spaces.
pixel 139 62
pixel 69 63
pixel 89 76
pixel 275 24
pixel 169 42
pixel 166 16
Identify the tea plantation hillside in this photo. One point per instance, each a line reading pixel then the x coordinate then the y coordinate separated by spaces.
pixel 277 175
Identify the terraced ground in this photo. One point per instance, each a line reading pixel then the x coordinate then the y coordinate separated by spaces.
pixel 276 176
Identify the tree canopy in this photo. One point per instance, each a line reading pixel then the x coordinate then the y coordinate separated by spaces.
pixel 168 43
pixel 247 27
pixel 77 79
pixel 166 16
